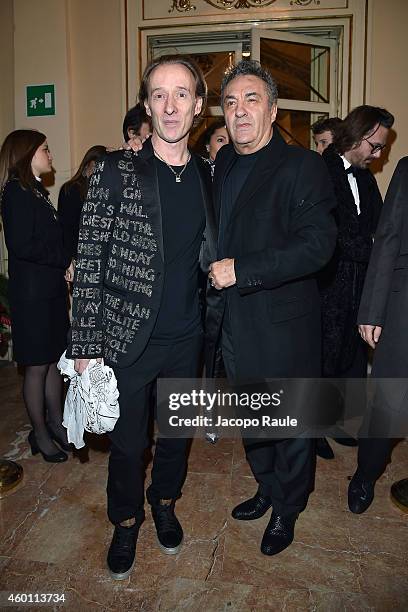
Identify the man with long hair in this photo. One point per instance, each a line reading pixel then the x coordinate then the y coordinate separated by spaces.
pixel 359 141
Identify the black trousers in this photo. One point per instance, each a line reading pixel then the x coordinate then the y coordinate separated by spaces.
pixel 129 439
pixel 374 452
pixel 373 456
pixel 283 468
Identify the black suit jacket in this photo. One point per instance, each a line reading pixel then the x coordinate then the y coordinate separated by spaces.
pixel 281 232
pixel 69 213
pixel 119 272
pixel 36 257
pixel 384 300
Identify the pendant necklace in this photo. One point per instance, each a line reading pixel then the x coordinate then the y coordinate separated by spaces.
pixel 176 174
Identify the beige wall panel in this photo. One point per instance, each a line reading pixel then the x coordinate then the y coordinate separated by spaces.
pixel 96 71
pixel 40 48
pixel 388 81
pixel 6 68
pixel 6 95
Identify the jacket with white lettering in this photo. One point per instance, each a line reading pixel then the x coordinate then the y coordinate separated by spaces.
pixel 119 271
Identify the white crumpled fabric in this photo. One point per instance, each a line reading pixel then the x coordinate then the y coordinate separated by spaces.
pixel 92 400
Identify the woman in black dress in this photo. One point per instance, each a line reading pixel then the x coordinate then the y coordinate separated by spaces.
pixel 37 264
pixel 72 196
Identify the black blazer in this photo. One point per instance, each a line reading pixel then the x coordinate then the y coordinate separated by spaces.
pixel 385 296
pixel 280 233
pixel 119 272
pixel 36 258
pixel 69 213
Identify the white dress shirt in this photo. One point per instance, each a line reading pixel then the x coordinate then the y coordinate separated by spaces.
pixel 353 183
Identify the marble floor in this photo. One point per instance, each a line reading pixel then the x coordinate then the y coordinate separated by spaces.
pixel 54 535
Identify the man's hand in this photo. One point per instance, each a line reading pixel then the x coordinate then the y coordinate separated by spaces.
pixel 80 365
pixel 222 274
pixel 135 143
pixel 370 334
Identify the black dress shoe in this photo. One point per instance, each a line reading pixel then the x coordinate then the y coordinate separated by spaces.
pixel 253 508
pixel 121 554
pixel 399 494
pixel 64 445
pixel 278 534
pixel 169 531
pixel 360 494
pixel 323 449
pixel 35 449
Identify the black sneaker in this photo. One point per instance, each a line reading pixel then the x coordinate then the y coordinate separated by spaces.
pixel 121 554
pixel 169 530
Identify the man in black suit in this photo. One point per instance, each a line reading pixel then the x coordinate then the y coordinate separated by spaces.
pixel 382 324
pixel 135 297
pixel 359 140
pixel 273 204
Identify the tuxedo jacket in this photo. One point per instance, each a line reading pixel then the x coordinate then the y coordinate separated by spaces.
pixel 280 233
pixel 384 300
pixel 341 281
pixel 119 271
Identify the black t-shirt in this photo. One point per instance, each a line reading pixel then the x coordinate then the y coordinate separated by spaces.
pixel 183 224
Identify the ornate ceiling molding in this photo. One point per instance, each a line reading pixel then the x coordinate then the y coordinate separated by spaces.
pixel 304 2
pixel 182 6
pixel 227 5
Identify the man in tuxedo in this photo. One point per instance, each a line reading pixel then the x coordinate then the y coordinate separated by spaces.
pixel 273 205
pixel 135 297
pixel 359 140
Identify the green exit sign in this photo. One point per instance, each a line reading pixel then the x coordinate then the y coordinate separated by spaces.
pixel 40 100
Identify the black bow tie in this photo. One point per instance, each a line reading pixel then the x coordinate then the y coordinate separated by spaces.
pixel 351 170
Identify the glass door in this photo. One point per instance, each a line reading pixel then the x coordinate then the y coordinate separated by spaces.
pixel 215 58
pixel 305 69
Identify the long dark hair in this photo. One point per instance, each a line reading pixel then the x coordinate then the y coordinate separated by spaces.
pixel 16 155
pixel 80 179
pixel 358 124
